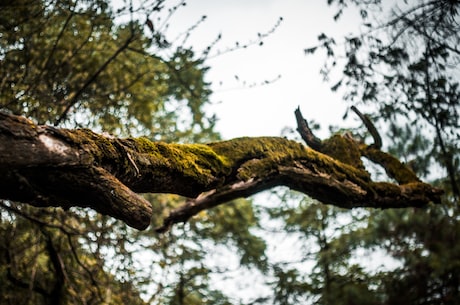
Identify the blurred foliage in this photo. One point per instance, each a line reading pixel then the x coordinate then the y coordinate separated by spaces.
pixel 80 63
pixel 68 62
pixel 403 68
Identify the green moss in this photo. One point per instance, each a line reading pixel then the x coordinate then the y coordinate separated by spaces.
pixel 207 164
pixel 343 149
pixel 207 157
pixel 257 156
pixel 242 149
pixel 198 161
pixel 143 144
pixel 338 169
pixel 393 167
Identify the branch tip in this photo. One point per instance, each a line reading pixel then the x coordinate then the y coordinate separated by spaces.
pixel 370 127
pixel 305 132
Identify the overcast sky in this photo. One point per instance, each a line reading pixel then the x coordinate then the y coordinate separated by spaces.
pixel 266 109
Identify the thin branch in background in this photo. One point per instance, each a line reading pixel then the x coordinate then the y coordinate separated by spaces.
pixel 187 33
pixel 74 99
pixel 162 27
pixel 36 220
pixel 87 270
pixel 446 157
pixel 18 282
pixel 239 46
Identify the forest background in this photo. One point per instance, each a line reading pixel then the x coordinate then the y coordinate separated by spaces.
pixel 126 71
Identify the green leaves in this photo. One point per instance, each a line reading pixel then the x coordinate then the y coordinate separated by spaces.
pixel 234 223
pixel 77 64
pixel 404 69
pixel 74 64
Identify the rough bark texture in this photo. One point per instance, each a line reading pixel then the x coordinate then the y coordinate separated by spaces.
pixel 45 166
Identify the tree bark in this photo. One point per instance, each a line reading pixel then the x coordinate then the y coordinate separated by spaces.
pixel 46 166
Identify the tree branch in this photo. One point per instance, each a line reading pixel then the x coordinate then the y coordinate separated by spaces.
pixel 306 133
pixel 370 127
pixel 213 198
pixel 46 166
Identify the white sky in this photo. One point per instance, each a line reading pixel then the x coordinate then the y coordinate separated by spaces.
pixel 267 109
pixel 264 110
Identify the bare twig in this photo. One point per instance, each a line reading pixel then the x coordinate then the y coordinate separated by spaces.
pixel 370 127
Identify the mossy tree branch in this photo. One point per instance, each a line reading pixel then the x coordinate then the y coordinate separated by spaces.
pixel 45 166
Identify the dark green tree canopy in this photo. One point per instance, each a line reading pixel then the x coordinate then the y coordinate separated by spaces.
pixel 68 62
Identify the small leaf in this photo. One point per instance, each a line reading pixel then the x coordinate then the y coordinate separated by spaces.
pixel 310 50
pixel 336 86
